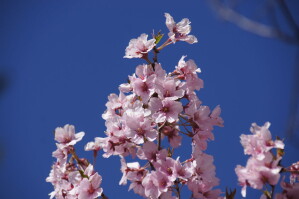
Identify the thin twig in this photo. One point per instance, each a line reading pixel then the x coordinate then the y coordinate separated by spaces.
pixel 250 25
pixel 288 15
pixel 272 191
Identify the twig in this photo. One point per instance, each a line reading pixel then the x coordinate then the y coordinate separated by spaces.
pixel 284 8
pixel 249 25
pixel 272 191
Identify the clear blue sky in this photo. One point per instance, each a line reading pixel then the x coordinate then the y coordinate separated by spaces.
pixel 63 58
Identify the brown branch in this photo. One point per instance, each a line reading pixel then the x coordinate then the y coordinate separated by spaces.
pixel 288 15
pixel 250 25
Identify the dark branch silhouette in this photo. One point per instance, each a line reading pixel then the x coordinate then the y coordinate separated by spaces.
pixel 273 8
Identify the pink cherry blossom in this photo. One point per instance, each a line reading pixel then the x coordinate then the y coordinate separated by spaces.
pixel 139 47
pixel 165 110
pixel 184 171
pixel 144 88
pixel 179 31
pixel 139 127
pixel 90 188
pixel 94 146
pixel 169 88
pixel 61 153
pixel 155 183
pixel 67 135
pixel 188 71
pixel 167 167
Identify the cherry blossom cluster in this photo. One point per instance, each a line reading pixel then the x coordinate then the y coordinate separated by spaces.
pixel 71 176
pixel 148 120
pixel 263 167
pixel 291 189
pixel 156 105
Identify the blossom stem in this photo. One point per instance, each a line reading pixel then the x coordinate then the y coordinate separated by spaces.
pixel 185 133
pixel 178 190
pixel 189 133
pixel 95 157
pixel 159 141
pixel 155 58
pixel 75 156
pixel 104 196
pixel 145 57
pixel 272 191
pixel 167 42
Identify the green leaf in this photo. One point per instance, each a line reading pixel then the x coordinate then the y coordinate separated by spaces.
pixel 158 37
pixel 267 194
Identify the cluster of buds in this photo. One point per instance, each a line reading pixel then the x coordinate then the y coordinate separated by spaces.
pixel 71 176
pixel 155 105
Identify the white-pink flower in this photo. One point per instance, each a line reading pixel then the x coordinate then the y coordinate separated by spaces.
pixel 90 188
pixel 156 183
pixel 139 47
pixel 94 146
pixel 179 31
pixel 139 127
pixel 67 135
pixel 144 88
pixel 165 110
pixel 169 88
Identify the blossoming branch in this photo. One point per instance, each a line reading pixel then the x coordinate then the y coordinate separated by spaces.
pixel 148 120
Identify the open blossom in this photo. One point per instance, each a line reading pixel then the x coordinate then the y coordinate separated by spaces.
pixel 179 31
pixel 187 70
pixel 67 136
pixel 90 188
pixel 139 127
pixel 156 183
pixel 139 47
pixel 165 110
pixel 167 167
pixel 169 88
pixel 60 154
pixel 94 146
pixel 144 88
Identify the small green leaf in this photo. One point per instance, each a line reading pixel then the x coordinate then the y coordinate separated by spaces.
pixel 280 152
pixel 267 194
pixel 158 37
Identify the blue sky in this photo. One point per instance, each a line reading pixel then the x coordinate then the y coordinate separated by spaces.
pixel 62 59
